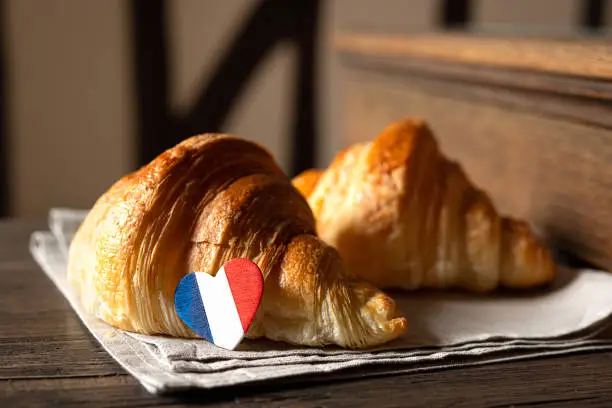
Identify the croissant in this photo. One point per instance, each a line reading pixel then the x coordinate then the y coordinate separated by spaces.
pixel 205 201
pixel 402 215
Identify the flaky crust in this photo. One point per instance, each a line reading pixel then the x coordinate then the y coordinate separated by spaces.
pixel 403 215
pixel 207 200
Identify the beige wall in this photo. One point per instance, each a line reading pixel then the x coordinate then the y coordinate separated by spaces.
pixel 71 118
pixel 357 15
pixel 528 16
pixel 200 31
pixel 70 108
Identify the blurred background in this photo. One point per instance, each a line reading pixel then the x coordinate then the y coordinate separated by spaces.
pixel 90 90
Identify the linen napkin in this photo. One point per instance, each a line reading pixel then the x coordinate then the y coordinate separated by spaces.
pixel 445 330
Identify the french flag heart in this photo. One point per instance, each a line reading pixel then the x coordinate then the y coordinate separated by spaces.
pixel 220 309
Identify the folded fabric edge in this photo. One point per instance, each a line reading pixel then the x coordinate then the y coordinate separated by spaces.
pixel 39 240
pixel 175 382
pixel 371 371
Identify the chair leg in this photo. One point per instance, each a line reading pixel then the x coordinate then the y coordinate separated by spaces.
pixel 270 22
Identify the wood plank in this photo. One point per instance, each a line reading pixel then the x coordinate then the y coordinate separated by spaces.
pixel 582 380
pixel 586 88
pixel 552 171
pixel 14 236
pixel 4 128
pixel 581 101
pixel 40 335
pixel 585 57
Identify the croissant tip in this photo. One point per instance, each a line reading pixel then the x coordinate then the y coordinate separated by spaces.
pixel 398 326
pixel 549 267
pixel 306 181
pixel 532 263
pixel 390 317
pixel 414 124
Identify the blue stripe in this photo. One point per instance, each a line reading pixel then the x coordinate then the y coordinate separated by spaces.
pixel 190 308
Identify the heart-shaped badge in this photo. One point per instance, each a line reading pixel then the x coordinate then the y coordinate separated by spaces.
pixel 220 309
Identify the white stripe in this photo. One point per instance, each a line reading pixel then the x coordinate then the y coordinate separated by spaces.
pixel 221 311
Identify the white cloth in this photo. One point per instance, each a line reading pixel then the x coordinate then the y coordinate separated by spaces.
pixel 445 330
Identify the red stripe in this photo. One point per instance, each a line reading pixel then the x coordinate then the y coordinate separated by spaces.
pixel 246 283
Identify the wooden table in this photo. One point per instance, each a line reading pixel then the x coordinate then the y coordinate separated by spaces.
pixel 49 359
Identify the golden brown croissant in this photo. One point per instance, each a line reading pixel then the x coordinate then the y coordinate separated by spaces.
pixel 402 215
pixel 203 202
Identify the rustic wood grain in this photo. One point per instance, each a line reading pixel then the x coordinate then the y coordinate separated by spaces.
pixel 583 100
pixel 40 335
pixel 479 74
pixel 49 359
pixel 570 381
pixel 541 157
pixel 581 57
